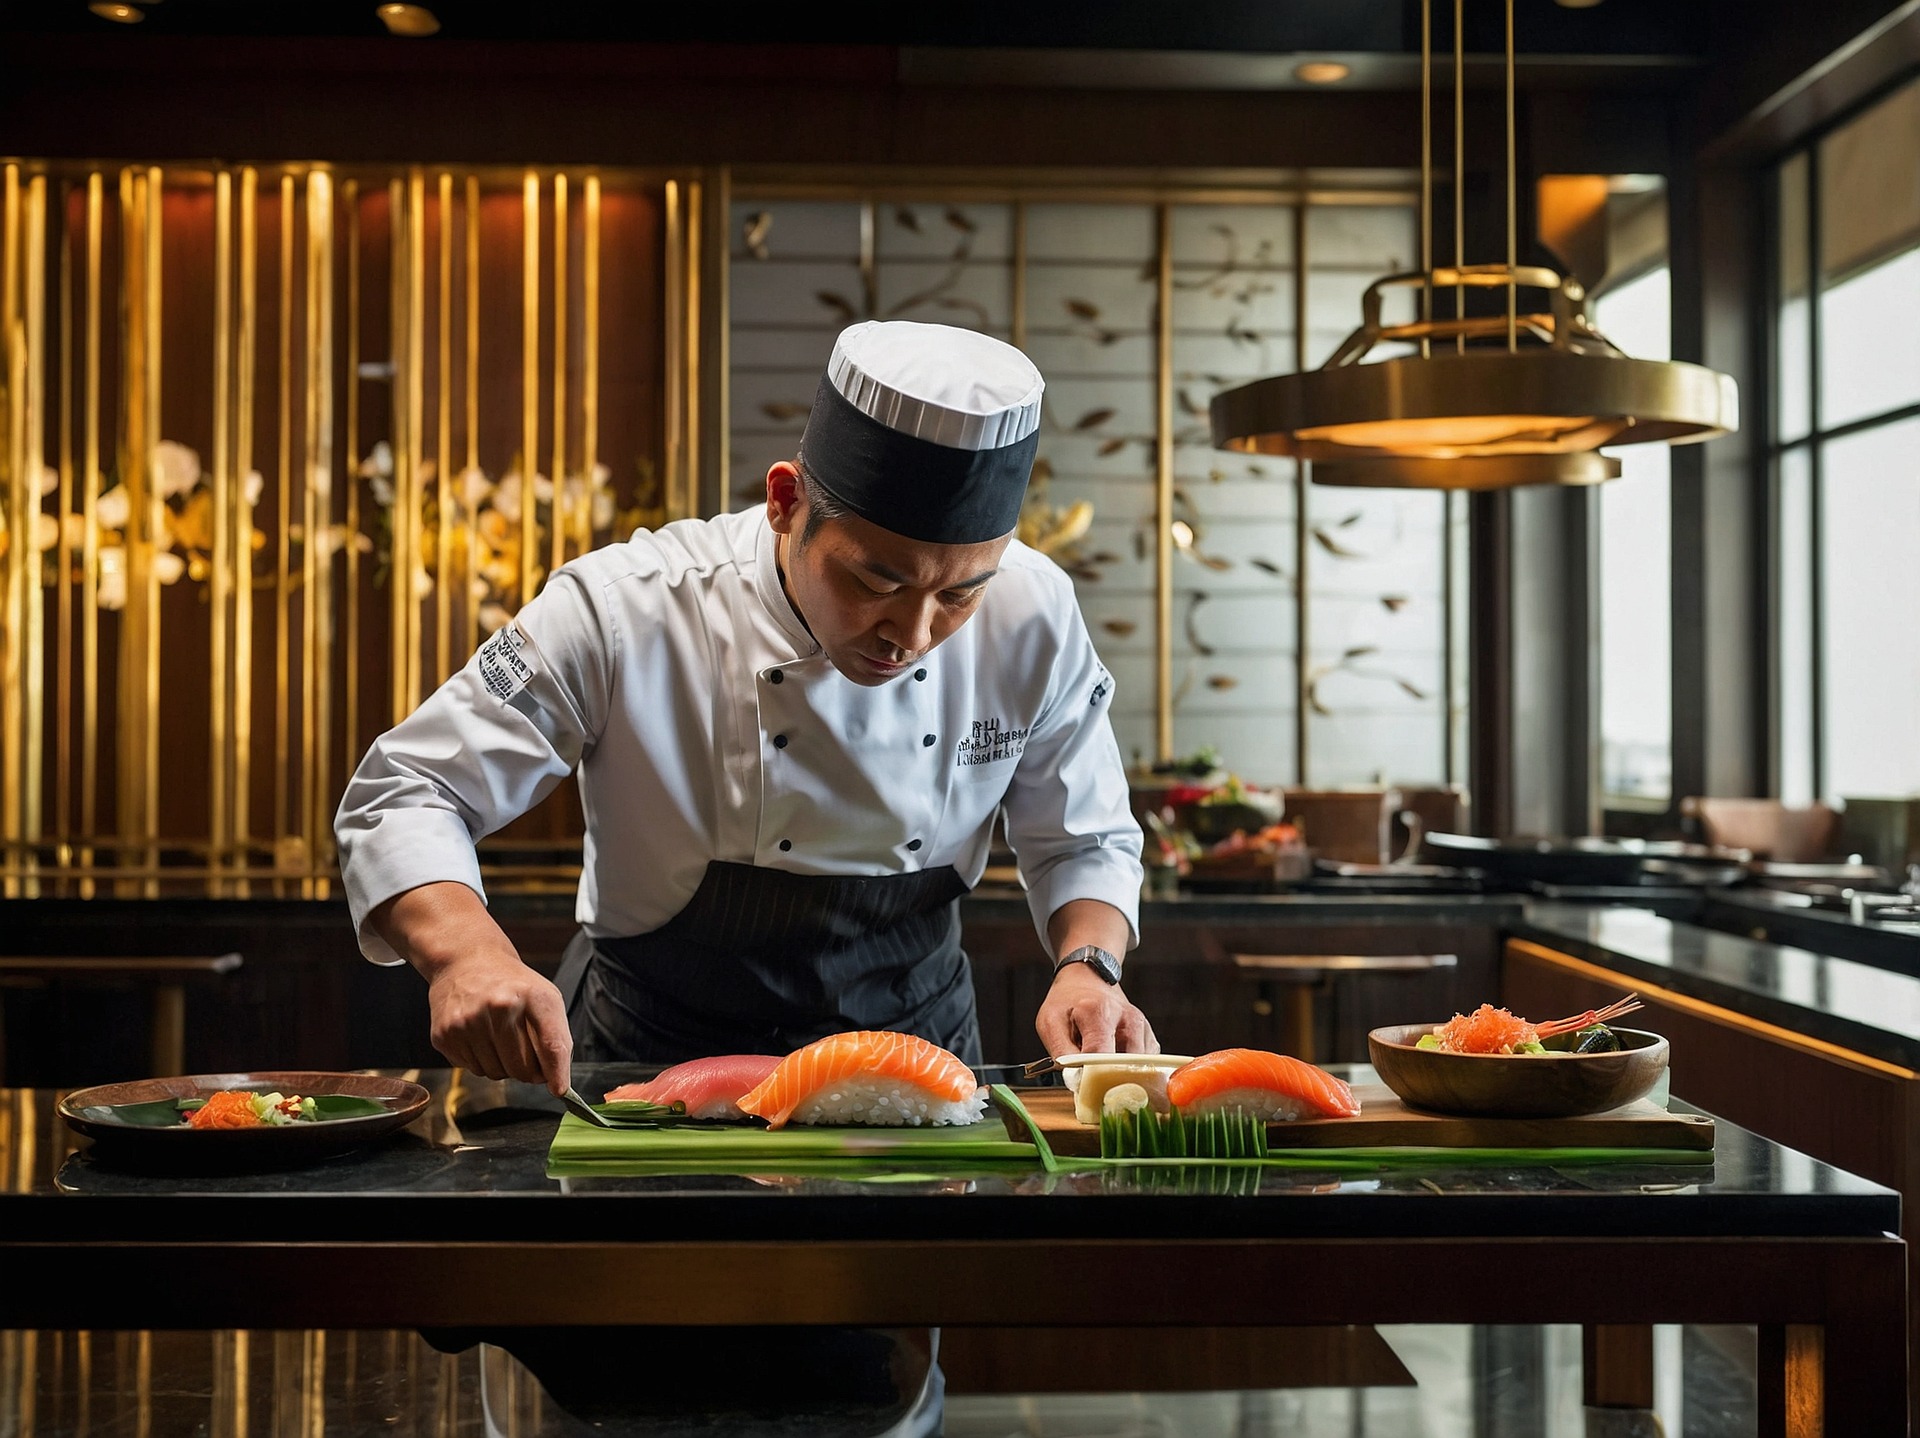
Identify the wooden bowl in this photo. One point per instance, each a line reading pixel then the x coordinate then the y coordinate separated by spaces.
pixel 1516 1085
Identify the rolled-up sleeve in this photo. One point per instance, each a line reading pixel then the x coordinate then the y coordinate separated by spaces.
pixel 484 748
pixel 1067 811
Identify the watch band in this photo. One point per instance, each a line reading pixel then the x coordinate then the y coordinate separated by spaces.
pixel 1106 965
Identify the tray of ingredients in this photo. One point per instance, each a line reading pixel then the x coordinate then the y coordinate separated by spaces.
pixel 862 1095
pixel 1572 1087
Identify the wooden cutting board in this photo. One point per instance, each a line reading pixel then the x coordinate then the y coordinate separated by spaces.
pixel 1385 1122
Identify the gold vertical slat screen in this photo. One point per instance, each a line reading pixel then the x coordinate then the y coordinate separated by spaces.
pixel 281 446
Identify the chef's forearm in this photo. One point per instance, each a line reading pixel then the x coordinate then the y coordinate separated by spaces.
pixel 436 924
pixel 1080 922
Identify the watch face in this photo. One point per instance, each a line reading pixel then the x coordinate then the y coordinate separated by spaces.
pixel 1103 964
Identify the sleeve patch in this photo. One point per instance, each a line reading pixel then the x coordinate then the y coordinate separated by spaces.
pixel 1102 687
pixel 504 666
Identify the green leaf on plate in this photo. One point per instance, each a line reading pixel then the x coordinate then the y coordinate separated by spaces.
pixel 341 1105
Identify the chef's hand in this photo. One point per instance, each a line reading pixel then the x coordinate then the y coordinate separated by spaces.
pixel 492 1015
pixel 1083 1013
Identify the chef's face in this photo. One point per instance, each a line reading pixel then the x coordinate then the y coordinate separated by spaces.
pixel 874 601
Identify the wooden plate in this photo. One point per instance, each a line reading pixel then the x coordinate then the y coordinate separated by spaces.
pixel 1516 1085
pixel 98 1112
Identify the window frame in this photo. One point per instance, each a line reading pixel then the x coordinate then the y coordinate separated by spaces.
pixel 1813 443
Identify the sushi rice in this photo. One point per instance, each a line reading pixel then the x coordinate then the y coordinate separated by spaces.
pixel 887 1102
pixel 1268 1105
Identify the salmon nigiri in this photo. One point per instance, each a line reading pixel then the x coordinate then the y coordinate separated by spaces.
pixel 868 1077
pixel 1271 1086
pixel 710 1088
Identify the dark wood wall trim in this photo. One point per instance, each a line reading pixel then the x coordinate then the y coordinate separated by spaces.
pixel 1720 507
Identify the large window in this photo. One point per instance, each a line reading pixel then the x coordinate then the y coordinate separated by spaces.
pixel 1636 574
pixel 1846 457
pixel 1359 579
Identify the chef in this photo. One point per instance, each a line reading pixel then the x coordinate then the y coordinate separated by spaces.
pixel 793 729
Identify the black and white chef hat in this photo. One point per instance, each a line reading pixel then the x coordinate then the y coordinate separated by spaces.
pixel 926 430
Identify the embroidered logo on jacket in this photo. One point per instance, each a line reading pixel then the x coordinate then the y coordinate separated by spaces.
pixel 503 668
pixel 1101 688
pixel 991 741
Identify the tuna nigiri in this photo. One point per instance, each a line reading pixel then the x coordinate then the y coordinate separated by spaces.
pixel 710 1088
pixel 1270 1086
pixel 868 1077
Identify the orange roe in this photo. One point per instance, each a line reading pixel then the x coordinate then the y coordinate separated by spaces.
pixel 1486 1030
pixel 230 1108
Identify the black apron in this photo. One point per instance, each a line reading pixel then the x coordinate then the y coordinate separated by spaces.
pixel 765 961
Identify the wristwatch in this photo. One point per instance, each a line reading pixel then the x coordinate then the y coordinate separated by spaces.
pixel 1095 958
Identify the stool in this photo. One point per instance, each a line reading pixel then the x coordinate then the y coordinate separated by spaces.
pixel 166 976
pixel 1303 977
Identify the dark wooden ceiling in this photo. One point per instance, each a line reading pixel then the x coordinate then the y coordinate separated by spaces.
pixel 1672 28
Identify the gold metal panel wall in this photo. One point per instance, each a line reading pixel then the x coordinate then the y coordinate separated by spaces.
pixel 273 464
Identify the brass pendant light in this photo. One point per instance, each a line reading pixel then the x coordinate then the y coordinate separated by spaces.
pixel 1515 398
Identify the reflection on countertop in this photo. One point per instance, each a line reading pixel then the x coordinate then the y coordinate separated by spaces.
pixel 474 1167
pixel 1863 1007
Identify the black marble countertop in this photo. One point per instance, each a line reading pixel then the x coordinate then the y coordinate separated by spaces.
pixel 474 1168
pixel 989 900
pixel 1295 907
pixel 1787 918
pixel 1864 1007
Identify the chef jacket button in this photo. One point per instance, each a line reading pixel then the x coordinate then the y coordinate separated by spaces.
pixel 919 674
pixel 927 743
pixel 785 844
pixel 913 844
pixel 775 676
pixel 779 741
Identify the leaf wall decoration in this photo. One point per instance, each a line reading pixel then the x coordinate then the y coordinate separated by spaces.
pixel 1222 682
pixel 1359 651
pixel 753 234
pixel 1119 627
pixel 1333 546
pixel 1112 446
pixel 839 304
pixel 906 219
pixel 1093 419
pixel 1082 310
pixel 1104 556
pixel 780 411
pixel 1352 519
pixel 1194 601
pixel 1394 603
pixel 1187 404
pixel 1269 566
pixel 959 220
pixel 1413 689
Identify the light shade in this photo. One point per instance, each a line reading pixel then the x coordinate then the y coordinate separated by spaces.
pixel 1507 471
pixel 1484 403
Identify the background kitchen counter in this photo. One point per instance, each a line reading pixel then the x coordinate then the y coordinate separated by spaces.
pixel 305 998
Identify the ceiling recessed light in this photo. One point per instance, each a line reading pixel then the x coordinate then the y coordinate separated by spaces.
pixel 1322 72
pixel 119 14
pixel 1577 4
pixel 413 20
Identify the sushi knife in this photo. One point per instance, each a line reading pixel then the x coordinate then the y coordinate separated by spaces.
pixel 581 1109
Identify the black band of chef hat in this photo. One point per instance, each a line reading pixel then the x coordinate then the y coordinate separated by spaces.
pixel 926 430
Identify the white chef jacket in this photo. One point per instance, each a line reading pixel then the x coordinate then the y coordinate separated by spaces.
pixel 705 724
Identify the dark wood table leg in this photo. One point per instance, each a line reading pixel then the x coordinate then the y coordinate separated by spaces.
pixel 1792 1396
pixel 1617 1365
pixel 1849 1376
